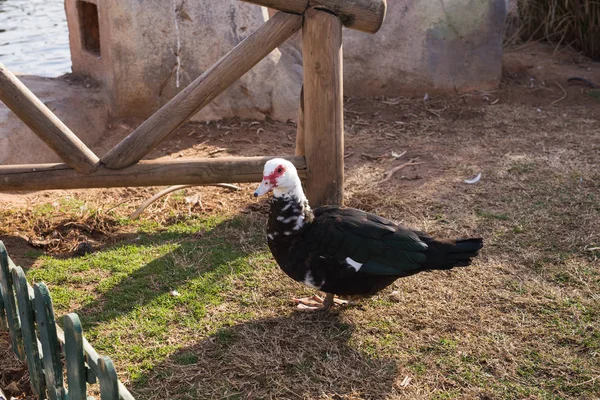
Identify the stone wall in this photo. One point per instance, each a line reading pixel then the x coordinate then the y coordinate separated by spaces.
pixel 428 46
pixel 79 105
pixel 150 50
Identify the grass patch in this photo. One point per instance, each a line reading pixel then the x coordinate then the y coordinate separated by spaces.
pixel 189 304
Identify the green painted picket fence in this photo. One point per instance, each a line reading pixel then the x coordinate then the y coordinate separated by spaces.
pixel 27 314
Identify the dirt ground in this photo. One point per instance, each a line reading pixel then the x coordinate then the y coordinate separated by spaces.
pixel 535 139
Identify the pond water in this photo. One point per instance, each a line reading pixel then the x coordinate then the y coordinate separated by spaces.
pixel 34 38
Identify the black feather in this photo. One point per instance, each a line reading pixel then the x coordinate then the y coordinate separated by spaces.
pixel 346 251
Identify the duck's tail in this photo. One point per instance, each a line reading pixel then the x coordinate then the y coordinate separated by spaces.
pixel 447 254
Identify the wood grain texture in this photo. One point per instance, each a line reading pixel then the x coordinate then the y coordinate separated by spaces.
pixel 203 90
pixel 74 359
pixel 323 107
pixel 107 377
pixel 300 127
pixel 45 124
pixel 10 304
pixel 144 173
pixel 26 316
pixel 44 316
pixel 362 15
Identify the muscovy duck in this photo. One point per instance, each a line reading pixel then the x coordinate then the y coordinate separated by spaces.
pixel 344 251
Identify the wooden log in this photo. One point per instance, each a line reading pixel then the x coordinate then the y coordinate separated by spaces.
pixel 7 293
pixel 144 173
pixel 362 15
pixel 300 128
pixel 323 107
pixel 45 124
pixel 34 361
pixel 44 313
pixel 203 90
pixel 73 340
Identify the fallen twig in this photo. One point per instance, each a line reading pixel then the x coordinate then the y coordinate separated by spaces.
pixel 372 157
pixel 171 189
pixel 215 151
pixel 562 98
pixel 389 174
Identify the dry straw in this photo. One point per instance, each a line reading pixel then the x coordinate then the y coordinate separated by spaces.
pixel 574 23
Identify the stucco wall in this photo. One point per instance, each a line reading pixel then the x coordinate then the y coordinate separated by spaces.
pixel 152 49
pixel 439 45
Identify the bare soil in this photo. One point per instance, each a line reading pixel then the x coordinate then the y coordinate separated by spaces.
pixel 536 143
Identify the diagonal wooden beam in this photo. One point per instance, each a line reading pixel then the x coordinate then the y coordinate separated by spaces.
pixel 45 124
pixel 198 171
pixel 203 90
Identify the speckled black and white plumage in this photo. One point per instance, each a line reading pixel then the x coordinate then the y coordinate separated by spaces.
pixel 345 251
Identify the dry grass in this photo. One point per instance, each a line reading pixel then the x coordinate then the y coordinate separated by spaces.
pixel 522 322
pixel 575 23
pixel 14 378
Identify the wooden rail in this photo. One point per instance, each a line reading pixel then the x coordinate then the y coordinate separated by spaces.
pixel 45 124
pixel 320 136
pixel 203 90
pixel 362 15
pixel 37 339
pixel 145 173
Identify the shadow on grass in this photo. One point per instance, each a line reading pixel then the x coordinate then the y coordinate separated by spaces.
pixel 195 266
pixel 302 355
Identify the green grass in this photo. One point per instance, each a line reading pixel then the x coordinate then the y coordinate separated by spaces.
pixel 517 326
pixel 522 322
pixel 124 292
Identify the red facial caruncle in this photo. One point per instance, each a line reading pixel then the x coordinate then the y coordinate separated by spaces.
pixel 272 177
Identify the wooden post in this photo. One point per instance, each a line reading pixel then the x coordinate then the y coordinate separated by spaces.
pixel 34 361
pixel 300 127
pixel 44 313
pixel 74 357
pixel 45 124
pixel 203 90
pixel 363 15
pixel 109 382
pixel 7 293
pixel 145 173
pixel 323 106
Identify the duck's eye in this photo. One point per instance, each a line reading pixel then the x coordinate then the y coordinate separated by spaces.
pixel 279 170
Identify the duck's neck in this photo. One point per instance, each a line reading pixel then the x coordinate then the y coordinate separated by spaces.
pixel 290 212
pixel 295 192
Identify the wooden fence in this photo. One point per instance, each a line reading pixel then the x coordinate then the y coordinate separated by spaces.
pixel 27 314
pixel 320 139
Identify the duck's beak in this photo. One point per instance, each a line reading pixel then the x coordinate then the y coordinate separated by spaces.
pixel 264 187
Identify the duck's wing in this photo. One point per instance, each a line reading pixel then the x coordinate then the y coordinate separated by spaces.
pixel 365 241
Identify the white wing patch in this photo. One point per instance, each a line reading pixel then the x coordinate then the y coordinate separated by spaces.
pixel 299 223
pixel 353 264
pixel 310 281
pixel 270 236
pixel 287 220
